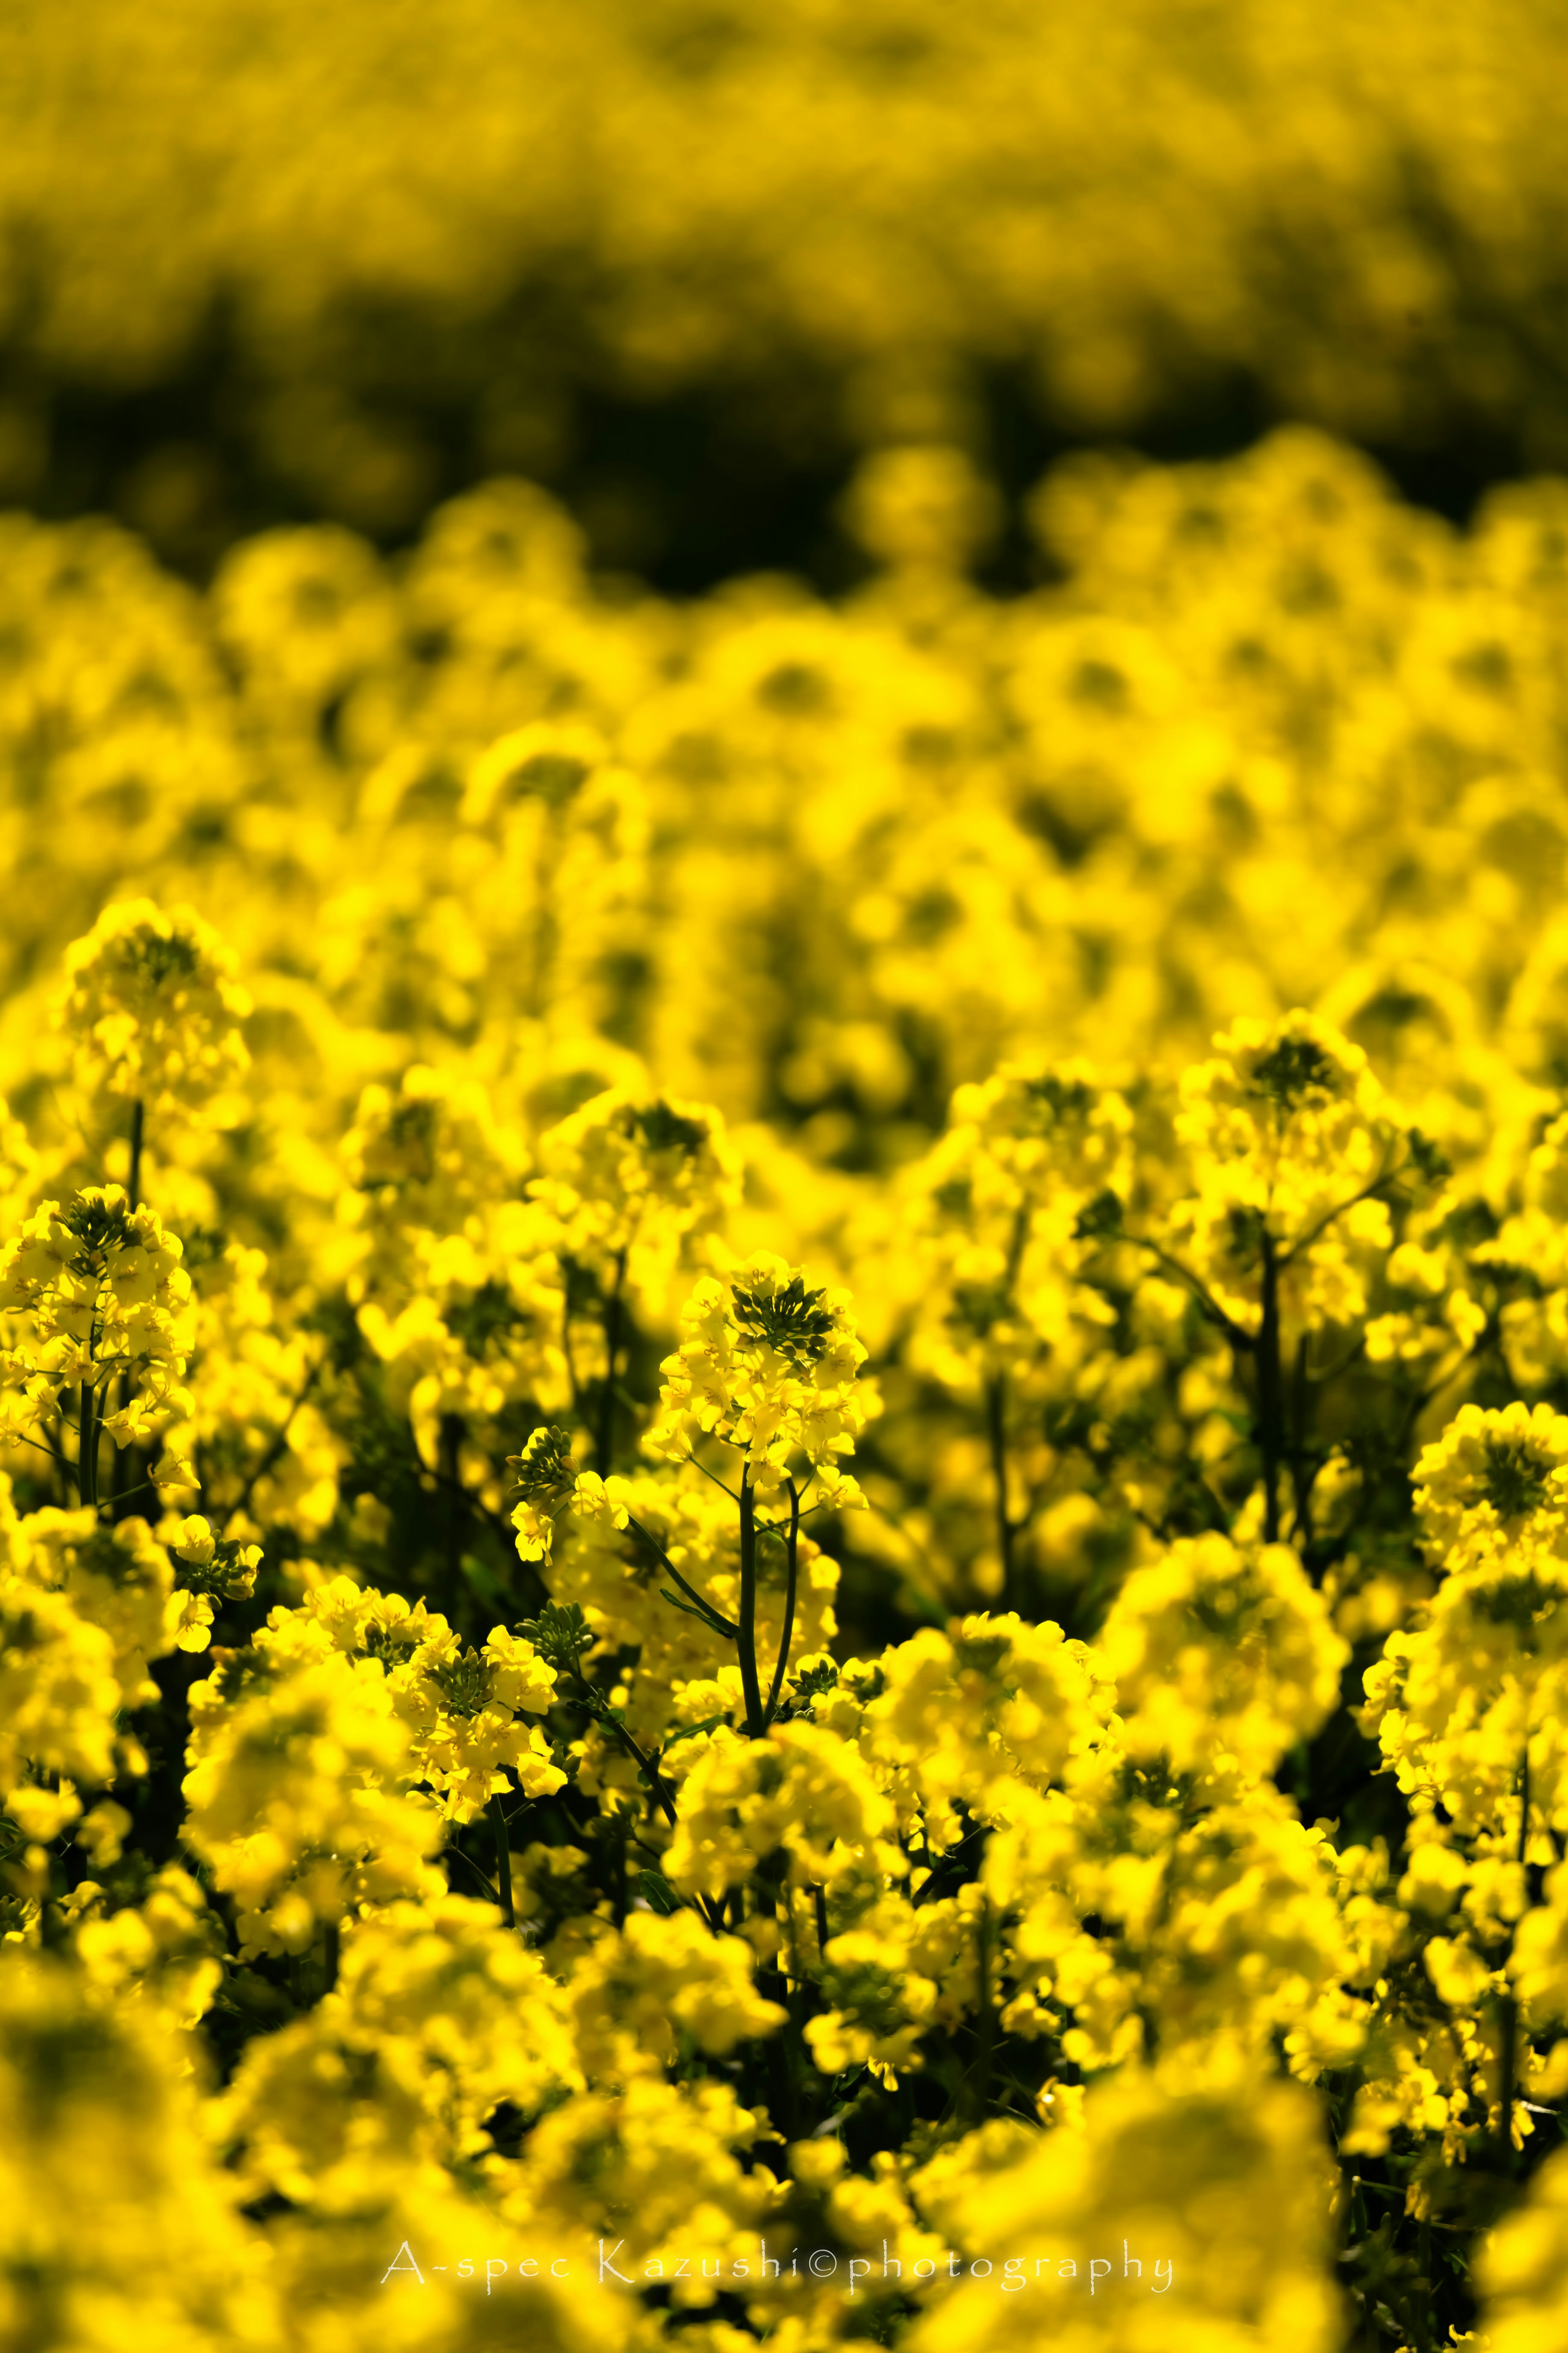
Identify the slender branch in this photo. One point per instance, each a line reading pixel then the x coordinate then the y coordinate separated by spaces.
pixel 715 1616
pixel 1322 1376
pixel 1301 1473
pixel 451 1446
pixel 1368 1192
pixel 87 1446
pixel 1022 1218
pixel 775 1528
pixel 715 1478
pixel 792 1574
pixel 1508 2051
pixel 796 1997
pixel 133 1189
pixel 1270 1402
pixel 566 1352
pixel 123 1454
pixel 20 1438
pixel 503 1861
pixel 646 1764
pixel 279 1447
pixel 475 1504
pixel 1506 2069
pixel 1006 1528
pixel 781 1529
pixel 1421 1398
pixel 604 1442
pixel 501 1525
pixel 986 2031
pixel 1236 1334
pixel 746 1632
pixel 478 1874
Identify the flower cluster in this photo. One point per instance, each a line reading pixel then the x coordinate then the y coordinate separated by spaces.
pixel 153 1005
pixel 299 1793
pixel 101 1288
pixel 768 1366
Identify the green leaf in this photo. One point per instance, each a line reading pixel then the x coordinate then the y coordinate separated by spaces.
pixel 485 1581
pixel 660 1896
pixel 686 1730
pixel 706 1615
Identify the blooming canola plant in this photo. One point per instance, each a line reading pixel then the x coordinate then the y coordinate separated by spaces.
pixel 785 1413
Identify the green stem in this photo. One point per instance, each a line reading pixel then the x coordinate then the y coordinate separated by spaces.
pixel 1508 2054
pixel 1508 2062
pixel 566 1352
pixel 1210 1308
pixel 1270 1403
pixel 997 1429
pixel 120 1486
pixel 646 1764
pixel 503 1861
pixel 792 1576
pixel 279 1443
pixel 618 1897
pixel 710 1610
pixel 451 1446
pixel 457 1851
pixel 133 1189
pixel 87 1447
pixel 986 2031
pixel 604 1443
pixel 784 2103
pixel 796 1997
pixel 746 1632
pixel 1301 1418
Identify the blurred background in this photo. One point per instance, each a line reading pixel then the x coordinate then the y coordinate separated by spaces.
pixel 685 261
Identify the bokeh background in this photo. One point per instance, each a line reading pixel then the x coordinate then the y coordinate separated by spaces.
pixel 682 260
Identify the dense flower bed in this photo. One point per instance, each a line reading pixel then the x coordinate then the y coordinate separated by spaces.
pixel 785 1430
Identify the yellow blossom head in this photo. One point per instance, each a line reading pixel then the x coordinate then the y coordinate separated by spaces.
pixel 768 1365
pixel 1221 1652
pixel 153 1006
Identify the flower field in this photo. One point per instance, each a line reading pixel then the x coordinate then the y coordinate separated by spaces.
pixel 784 1378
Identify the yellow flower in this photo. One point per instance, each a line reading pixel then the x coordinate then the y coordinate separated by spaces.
pixel 164 1949
pixel 438 2017
pixel 119 2223
pixel 154 1006
pixel 103 1288
pixel 1520 2267
pixel 1198 2212
pixel 769 1366
pixel 298 1792
pixel 803 1789
pixel 59 1692
pixel 635 1997
pixel 1223 1655
pixel 965 1714
pixel 1495 1481
pixel 637 1184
